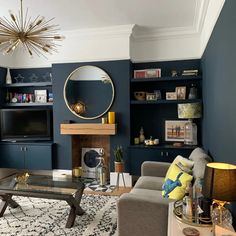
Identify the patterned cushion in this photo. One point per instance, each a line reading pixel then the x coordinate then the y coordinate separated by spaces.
pixel 175 183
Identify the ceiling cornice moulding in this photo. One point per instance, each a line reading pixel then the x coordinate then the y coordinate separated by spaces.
pixel 114 31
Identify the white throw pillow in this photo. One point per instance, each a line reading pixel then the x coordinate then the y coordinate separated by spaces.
pixel 200 159
pixel 186 162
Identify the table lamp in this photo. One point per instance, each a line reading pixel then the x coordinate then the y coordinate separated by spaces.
pixel 190 111
pixel 220 185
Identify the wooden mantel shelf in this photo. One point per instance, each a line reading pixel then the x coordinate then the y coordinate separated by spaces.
pixel 88 129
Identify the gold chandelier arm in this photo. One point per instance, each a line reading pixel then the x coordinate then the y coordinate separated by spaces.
pixel 6 25
pixel 36 35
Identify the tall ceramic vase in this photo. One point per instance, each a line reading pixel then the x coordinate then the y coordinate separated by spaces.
pixel 8 77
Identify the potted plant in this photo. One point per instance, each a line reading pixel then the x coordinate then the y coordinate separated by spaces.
pixel 119 163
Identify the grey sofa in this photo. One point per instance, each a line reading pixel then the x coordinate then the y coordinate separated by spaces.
pixel 143 211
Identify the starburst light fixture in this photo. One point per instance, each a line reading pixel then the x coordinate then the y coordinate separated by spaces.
pixel 35 35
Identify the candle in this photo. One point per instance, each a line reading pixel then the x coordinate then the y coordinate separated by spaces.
pixel 111 117
pixel 77 171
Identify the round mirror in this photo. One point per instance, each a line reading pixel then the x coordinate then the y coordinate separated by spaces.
pixel 88 92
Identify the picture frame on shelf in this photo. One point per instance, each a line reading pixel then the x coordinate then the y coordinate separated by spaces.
pixel 151 97
pixel 171 96
pixel 40 96
pixel 180 92
pixel 158 94
pixel 174 130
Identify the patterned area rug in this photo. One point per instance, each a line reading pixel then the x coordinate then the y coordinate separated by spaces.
pixel 48 217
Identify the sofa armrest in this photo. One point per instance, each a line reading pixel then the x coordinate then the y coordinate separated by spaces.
pixel 153 168
pixel 140 215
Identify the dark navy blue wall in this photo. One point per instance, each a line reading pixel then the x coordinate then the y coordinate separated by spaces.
pixel 119 71
pixel 219 88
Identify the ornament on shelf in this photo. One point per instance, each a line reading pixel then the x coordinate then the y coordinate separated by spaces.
pixel 8 77
pixel 141 135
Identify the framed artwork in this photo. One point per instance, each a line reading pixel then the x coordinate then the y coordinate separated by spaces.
pixel 40 96
pixel 158 94
pixel 174 130
pixel 180 92
pixel 171 96
pixel 151 96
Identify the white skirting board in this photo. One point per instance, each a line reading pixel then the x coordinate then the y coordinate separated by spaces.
pixel 127 177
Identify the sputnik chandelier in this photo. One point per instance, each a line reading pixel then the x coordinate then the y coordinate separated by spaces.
pixel 36 36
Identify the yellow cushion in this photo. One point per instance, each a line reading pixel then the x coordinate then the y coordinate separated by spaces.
pixel 184 161
pixel 175 182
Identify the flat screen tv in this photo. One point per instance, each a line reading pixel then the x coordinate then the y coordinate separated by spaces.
pixel 26 124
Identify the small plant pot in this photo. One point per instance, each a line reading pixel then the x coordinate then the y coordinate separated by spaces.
pixel 119 167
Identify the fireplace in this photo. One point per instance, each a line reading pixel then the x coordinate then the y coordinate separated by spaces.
pixel 89 136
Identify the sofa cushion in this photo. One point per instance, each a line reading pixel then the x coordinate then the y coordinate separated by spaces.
pixel 150 182
pixel 151 194
pixel 175 183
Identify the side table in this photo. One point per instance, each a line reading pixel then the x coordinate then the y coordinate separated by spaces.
pixel 118 179
pixel 175 227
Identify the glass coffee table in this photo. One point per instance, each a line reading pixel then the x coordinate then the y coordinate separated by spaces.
pixel 42 186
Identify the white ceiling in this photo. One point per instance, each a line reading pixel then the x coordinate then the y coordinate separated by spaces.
pixel 80 14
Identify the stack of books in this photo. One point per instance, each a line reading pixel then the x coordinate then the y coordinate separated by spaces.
pixel 190 72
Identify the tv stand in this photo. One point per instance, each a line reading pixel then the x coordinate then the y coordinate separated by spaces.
pixel 26 155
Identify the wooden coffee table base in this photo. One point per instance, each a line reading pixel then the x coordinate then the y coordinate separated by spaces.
pixel 6 200
pixel 75 208
pixel 73 201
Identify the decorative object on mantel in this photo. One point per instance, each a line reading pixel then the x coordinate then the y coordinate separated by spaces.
pixel 219 185
pixel 36 36
pixel 8 77
pixel 190 111
pixel 104 120
pixel 111 117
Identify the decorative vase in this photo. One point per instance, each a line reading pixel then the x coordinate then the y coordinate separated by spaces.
pixel 8 77
pixel 101 172
pixel 119 167
pixel 141 135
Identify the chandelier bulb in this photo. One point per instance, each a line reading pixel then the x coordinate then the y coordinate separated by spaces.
pixel 12 15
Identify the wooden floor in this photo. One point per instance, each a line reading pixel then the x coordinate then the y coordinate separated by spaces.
pixel 115 192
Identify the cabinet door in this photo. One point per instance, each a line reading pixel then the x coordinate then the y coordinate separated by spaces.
pixel 12 156
pixel 38 157
pixel 171 153
pixel 139 155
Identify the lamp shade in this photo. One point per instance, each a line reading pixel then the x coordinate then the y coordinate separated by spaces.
pixel 220 182
pixel 189 110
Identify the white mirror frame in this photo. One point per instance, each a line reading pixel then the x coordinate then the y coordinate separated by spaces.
pixel 68 105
